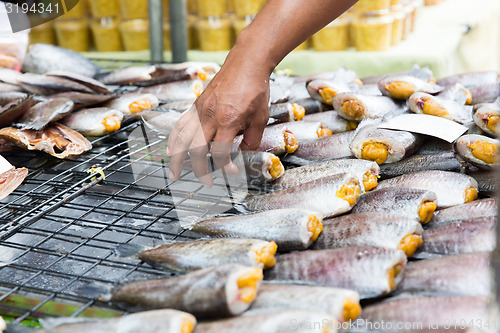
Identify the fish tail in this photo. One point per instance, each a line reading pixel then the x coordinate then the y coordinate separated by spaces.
pixel 127 250
pixel 18 329
pixel 97 290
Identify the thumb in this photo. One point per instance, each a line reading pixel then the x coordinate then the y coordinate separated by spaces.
pixel 252 136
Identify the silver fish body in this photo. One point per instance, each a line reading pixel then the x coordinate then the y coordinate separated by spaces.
pixel 151 75
pixel 456 92
pixel 477 149
pixel 418 205
pixel 130 103
pixel 153 321
pixel 429 311
pixel 9 88
pixel 485 93
pixel 218 291
pixel 352 106
pixel 383 145
pixel 486 116
pixel 368 229
pixel 94 121
pixel 331 120
pixel 14 110
pixel 311 105
pixel 462 274
pixel 402 86
pixel 48 85
pixel 7 97
pixel 179 106
pixel 330 196
pixel 282 112
pixel 470 79
pixel 291 229
pixel 43 113
pixel 276 140
pixel 342 304
pixel 424 103
pixel 366 171
pixel 261 167
pixel 303 130
pixel 474 235
pixel 451 188
pixel 478 208
pixel 330 147
pixel 175 91
pixel 44 58
pixel 160 121
pixel 89 82
pixel 81 99
pixel 9 76
pixel 486 181
pixel 324 90
pixel 283 322
pixel 371 271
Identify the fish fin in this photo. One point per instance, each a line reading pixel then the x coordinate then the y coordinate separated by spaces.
pixel 11 328
pixel 296 160
pixel 128 250
pixel 97 290
pixel 243 209
pixel 50 323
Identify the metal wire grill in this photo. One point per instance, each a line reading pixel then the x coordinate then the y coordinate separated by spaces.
pixel 59 229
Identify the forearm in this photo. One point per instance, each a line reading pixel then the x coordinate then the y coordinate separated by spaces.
pixel 281 26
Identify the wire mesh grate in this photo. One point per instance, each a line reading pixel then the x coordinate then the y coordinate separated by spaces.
pixel 59 229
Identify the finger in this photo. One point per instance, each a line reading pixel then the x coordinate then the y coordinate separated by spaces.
pixel 181 141
pixel 179 125
pixel 198 152
pixel 221 150
pixel 252 136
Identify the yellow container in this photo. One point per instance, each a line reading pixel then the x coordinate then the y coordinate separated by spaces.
pixel 209 8
pixel 106 34
pixel 166 9
pixel 302 47
pixel 372 31
pixel 335 36
pixel 413 20
pixel 214 33
pixel 166 35
pixel 398 14
pixel 247 7
pixel 135 34
pixel 193 42
pixel 134 9
pixel 73 34
pixel 407 9
pixel 395 2
pixel 240 23
pixel 43 33
pixel 103 8
pixel 192 7
pixel 79 11
pixel 371 5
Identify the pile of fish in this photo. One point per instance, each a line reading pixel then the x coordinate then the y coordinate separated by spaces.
pixel 346 222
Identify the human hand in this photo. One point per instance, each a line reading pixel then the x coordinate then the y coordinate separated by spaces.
pixel 235 100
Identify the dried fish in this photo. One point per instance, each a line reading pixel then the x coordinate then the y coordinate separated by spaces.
pixel 153 321
pixel 384 145
pixel 9 88
pixel 352 106
pixel 479 150
pixel 470 79
pixel 486 181
pixel 458 93
pixel 331 147
pixel 287 321
pixel 81 99
pixel 10 180
pixel 311 105
pixel 486 116
pixel 424 103
pixel 261 167
pixel 48 85
pixel 485 93
pixel 213 292
pixel 325 90
pixel 428 311
pixel 193 255
pixel 332 121
pixel 462 274
pixel 176 91
pixel 342 304
pixel 451 188
pixel 423 73
pixel 44 113
pixel 367 229
pixel 291 229
pixel 44 58
pixel 94 122
pixel 473 235
pixel 89 82
pixel 133 102
pixel 470 210
pixel 330 196
pixel 152 75
pixel 179 106
pixel 9 76
pixel 439 161
pixel 285 112
pixel 160 121
pixel 365 171
pixel 402 86
pixel 56 140
pixel 411 203
pixel 14 110
pixel 305 130
pixel 371 271
pixel 275 140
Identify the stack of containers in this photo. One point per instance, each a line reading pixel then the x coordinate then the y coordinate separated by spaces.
pixel 213 25
pixel 104 25
pixel 193 42
pixel 43 33
pixel 335 36
pixel 134 27
pixel 72 28
pixel 245 11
